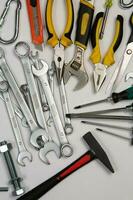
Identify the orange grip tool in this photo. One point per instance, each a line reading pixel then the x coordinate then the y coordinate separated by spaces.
pixel 35 18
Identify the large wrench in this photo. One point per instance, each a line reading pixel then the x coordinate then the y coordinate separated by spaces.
pixel 22 151
pixel 36 131
pixel 66 148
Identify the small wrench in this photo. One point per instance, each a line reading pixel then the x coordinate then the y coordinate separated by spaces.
pixel 44 103
pixel 23 153
pixel 36 131
pixel 66 148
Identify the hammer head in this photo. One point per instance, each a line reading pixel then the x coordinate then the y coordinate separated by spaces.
pixel 97 150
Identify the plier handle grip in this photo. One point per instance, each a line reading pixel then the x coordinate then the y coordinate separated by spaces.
pixel 65 39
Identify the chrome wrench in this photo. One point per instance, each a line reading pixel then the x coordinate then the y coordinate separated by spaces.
pixel 23 153
pixel 36 131
pixel 66 148
pixel 35 59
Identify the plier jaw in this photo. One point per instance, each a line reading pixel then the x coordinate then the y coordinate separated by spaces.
pixel 59 58
pixel 99 75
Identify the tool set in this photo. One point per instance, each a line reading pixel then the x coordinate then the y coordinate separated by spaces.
pixel 33 105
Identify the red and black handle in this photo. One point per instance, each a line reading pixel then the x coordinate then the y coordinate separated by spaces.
pixel 44 187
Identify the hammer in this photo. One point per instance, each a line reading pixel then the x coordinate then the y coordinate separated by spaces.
pixel 95 152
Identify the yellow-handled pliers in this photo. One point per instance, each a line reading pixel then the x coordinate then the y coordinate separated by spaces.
pixel 59 44
pixel 108 60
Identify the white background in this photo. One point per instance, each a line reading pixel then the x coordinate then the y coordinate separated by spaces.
pixel 92 181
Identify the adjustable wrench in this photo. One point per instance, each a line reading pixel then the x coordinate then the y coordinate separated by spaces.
pixel 36 131
pixel 22 151
pixel 66 148
pixel 76 66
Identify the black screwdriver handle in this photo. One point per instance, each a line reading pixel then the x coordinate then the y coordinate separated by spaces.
pixel 44 187
pixel 84 22
pixel 124 95
pixel 131 25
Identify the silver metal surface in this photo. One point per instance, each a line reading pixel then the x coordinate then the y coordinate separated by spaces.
pixel 66 148
pixel 76 68
pixel 126 59
pixel 17 17
pixel 123 4
pixel 36 131
pixel 128 76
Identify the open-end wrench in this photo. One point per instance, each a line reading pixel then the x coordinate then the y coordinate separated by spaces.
pixel 34 59
pixel 128 76
pixel 63 97
pixel 23 153
pixel 17 110
pixel 26 94
pixel 66 148
pixel 36 131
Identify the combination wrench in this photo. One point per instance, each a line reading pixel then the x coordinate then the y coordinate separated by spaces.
pixel 36 131
pixel 35 59
pixel 23 153
pixel 66 148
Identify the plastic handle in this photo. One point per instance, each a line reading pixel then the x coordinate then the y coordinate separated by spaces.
pixel 95 32
pixel 109 57
pixel 35 19
pixel 124 95
pixel 84 22
pixel 52 36
pixel 43 188
pixel 66 37
pixel 131 24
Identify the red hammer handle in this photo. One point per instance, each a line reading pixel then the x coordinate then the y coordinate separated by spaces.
pixel 44 187
pixel 35 20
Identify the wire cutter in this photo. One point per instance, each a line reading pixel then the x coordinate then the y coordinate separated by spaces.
pixel 59 44
pixel 108 60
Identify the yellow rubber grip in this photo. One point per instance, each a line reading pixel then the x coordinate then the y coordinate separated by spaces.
pixel 52 36
pixel 66 37
pixel 109 57
pixel 95 56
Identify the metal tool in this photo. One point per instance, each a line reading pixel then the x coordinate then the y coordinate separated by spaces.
pixel 76 66
pixel 128 76
pixel 116 135
pixel 128 108
pixel 59 46
pixel 66 148
pixel 108 125
pixel 115 97
pixel 4 189
pixel 36 132
pixel 35 60
pixel 118 75
pixel 26 94
pixel 96 116
pixel 23 153
pixel 15 180
pixel 36 23
pixel 17 18
pixel 108 5
pixel 95 152
pixel 17 110
pixel 126 5
pixel 100 71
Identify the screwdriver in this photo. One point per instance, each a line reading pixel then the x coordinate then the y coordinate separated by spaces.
pixel 116 135
pixel 115 97
pixel 108 5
